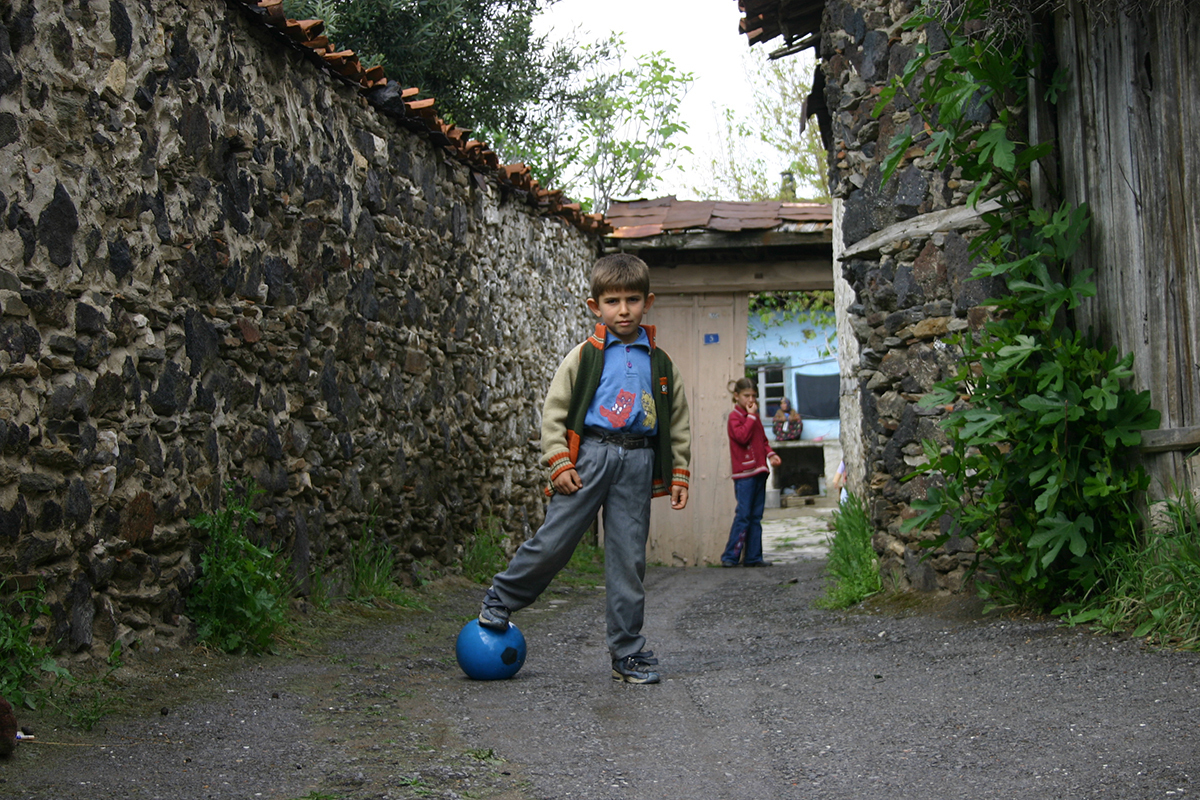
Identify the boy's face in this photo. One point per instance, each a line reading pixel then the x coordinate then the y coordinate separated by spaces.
pixel 621 311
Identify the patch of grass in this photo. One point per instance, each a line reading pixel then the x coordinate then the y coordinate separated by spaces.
pixel 239 602
pixel 415 783
pixel 484 555
pixel 372 564
pixel 852 567
pixel 786 543
pixel 1151 587
pixel 586 567
pixel 85 701
pixel 373 569
pixel 482 754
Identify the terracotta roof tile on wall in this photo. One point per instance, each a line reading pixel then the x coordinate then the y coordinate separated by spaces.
pixel 418 114
pixel 637 219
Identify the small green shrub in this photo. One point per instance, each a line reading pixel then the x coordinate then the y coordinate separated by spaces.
pixel 484 555
pixel 1040 469
pixel 21 659
pixel 30 677
pixel 239 601
pixel 1153 584
pixel 852 568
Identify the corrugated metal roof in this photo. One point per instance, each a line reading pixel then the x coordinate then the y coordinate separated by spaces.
pixel 638 219
pixel 419 115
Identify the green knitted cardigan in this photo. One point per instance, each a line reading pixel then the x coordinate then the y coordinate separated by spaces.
pixel 591 367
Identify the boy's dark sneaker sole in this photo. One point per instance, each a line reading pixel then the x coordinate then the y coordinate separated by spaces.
pixel 493 615
pixel 632 669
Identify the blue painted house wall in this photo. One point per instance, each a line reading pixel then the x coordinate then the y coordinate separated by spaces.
pixel 801 348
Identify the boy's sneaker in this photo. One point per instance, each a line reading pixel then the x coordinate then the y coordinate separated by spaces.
pixel 493 614
pixel 636 668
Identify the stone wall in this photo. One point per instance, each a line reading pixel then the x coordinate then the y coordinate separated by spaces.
pixel 904 253
pixel 220 263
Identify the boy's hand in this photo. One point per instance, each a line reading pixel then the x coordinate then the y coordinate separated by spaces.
pixel 678 497
pixel 568 482
pixel 775 460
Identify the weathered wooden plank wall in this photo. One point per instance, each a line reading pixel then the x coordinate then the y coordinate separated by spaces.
pixel 1130 134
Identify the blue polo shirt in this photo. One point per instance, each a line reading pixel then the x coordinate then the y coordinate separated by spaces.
pixel 624 400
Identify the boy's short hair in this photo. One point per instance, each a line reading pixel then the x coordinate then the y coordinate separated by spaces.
pixel 618 271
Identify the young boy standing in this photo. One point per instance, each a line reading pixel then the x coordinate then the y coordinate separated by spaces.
pixel 615 432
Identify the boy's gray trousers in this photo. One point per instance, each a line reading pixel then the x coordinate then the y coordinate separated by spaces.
pixel 620 481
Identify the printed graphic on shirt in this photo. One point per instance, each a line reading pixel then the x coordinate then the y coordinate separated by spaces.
pixel 649 412
pixel 618 415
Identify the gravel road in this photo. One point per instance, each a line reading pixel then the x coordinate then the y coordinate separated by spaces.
pixel 763 696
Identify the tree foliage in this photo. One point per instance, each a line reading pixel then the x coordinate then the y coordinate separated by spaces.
pixel 479 58
pixel 627 127
pixel 796 168
pixel 584 120
pixel 609 129
pixel 1038 469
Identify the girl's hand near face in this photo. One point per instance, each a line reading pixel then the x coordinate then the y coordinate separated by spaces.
pixel 748 400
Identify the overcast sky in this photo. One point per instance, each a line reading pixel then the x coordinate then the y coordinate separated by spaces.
pixel 700 36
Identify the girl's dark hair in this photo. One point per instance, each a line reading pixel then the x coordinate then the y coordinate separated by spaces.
pixel 740 385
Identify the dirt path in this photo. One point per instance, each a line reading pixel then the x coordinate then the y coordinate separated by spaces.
pixel 763 697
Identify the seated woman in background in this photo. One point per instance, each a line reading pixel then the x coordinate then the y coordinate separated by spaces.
pixel 787 422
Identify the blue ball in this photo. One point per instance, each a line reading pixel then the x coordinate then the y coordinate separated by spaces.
pixel 488 656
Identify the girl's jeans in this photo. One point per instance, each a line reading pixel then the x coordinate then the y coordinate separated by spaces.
pixel 746 533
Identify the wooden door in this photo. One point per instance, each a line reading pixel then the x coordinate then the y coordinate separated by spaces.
pixel 705 335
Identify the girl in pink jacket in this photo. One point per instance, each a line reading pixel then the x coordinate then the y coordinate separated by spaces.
pixel 751 453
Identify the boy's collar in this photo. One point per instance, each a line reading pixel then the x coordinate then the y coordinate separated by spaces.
pixel 600 335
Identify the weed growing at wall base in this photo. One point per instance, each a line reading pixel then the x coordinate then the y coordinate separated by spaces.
pixel 373 568
pixel 239 601
pixel 852 566
pixel 32 678
pixel 85 701
pixel 21 659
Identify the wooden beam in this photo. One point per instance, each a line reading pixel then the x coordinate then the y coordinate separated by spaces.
pixel 1168 439
pixel 779 276
pixel 950 219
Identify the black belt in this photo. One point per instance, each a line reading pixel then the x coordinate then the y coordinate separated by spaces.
pixel 627 441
